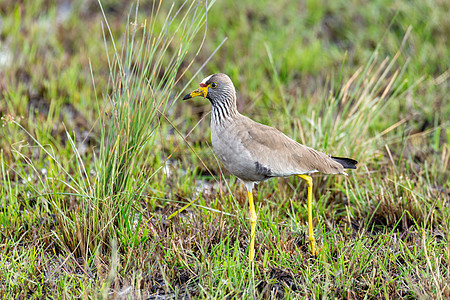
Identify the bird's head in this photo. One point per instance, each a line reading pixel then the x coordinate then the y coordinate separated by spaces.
pixel 217 87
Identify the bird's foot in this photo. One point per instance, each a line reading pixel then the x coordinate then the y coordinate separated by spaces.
pixel 312 242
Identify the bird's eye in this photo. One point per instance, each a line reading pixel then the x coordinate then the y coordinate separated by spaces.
pixel 214 85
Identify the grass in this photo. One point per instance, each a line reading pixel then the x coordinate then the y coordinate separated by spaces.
pixel 97 152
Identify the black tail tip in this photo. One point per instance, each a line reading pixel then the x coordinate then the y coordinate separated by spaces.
pixel 347 163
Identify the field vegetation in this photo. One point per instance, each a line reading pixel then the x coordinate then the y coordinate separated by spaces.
pixel 99 157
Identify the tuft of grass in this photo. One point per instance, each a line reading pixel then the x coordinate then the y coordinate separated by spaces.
pixel 142 78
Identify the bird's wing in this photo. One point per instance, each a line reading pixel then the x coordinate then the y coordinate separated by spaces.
pixel 282 155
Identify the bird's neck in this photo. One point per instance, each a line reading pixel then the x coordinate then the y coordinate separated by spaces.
pixel 224 111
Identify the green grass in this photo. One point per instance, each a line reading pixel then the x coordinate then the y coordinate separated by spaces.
pixel 91 170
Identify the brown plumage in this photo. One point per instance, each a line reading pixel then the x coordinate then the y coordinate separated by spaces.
pixel 245 147
pixel 255 152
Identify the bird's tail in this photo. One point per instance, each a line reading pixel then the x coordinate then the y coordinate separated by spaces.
pixel 347 163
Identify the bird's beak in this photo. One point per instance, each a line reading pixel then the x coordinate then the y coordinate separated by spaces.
pixel 202 91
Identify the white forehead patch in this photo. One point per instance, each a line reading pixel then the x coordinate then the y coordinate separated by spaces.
pixel 206 79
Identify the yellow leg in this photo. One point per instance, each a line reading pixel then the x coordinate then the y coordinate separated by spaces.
pixel 312 240
pixel 252 226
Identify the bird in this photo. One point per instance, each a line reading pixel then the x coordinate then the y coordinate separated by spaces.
pixel 255 152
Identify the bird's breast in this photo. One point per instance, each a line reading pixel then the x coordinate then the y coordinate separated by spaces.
pixel 228 144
